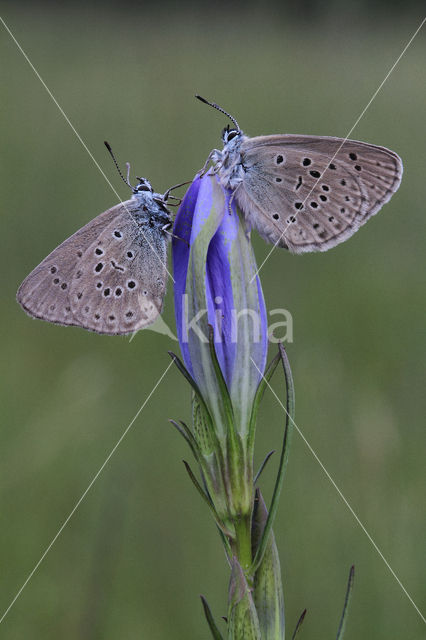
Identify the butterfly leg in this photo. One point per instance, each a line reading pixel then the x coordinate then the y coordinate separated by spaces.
pixel 214 157
pixel 165 229
pixel 231 199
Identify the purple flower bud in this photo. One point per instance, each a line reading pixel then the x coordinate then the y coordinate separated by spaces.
pixel 216 284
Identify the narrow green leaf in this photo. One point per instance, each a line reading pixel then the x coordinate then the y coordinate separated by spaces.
pixel 263 465
pixel 343 619
pixel 283 461
pixel 299 624
pixel 210 621
pixel 267 584
pixel 258 397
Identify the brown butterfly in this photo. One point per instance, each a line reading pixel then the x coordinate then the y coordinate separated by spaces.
pixel 110 276
pixel 305 193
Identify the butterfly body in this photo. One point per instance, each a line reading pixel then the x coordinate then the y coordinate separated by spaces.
pixel 305 193
pixel 110 276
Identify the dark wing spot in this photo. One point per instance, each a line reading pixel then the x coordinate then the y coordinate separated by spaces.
pixel 79 253
pixel 357 167
pixel 275 216
pixel 129 314
pixel 53 269
pixel 64 286
pixel 306 162
pixel 314 204
pixel 118 292
pixel 278 179
pixel 332 166
pixel 99 267
pixel 130 254
pixel 131 284
pixel 353 156
pixel 99 285
pixel 323 198
pixel 299 183
pixel 107 291
pixel 78 274
pixel 279 159
pixel 97 316
pixel 112 318
pixel 315 174
pixel 55 280
pixel 325 187
pixel 343 182
pixel 118 234
pixel 298 205
pixel 315 225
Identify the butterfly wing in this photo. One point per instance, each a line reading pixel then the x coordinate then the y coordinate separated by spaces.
pixel 309 193
pixel 44 293
pixel 121 282
pixel 52 290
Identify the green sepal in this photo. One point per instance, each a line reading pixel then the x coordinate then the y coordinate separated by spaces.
pixel 186 433
pixel 207 500
pixel 257 399
pixel 226 398
pixel 210 621
pixel 267 584
pixel 187 375
pixel 202 432
pixel 243 623
pixel 299 624
pixel 343 619
pixel 184 371
pixel 288 429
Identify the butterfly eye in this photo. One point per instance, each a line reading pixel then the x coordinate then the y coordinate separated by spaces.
pixel 143 187
pixel 232 134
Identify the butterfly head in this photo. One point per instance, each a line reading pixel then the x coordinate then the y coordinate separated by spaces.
pixel 230 133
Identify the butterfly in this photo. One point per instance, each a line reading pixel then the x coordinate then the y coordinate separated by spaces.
pixel 304 193
pixel 110 276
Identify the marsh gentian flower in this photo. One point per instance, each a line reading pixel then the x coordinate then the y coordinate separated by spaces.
pixel 216 285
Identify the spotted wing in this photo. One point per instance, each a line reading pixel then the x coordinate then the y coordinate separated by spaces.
pixel 309 193
pixel 120 284
pixel 44 293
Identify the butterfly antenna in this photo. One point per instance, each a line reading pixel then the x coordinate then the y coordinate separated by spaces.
pixel 216 106
pixel 108 146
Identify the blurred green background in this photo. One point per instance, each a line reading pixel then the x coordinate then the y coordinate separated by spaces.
pixel 141 547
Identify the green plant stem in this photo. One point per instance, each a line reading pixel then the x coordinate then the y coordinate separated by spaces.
pixel 243 542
